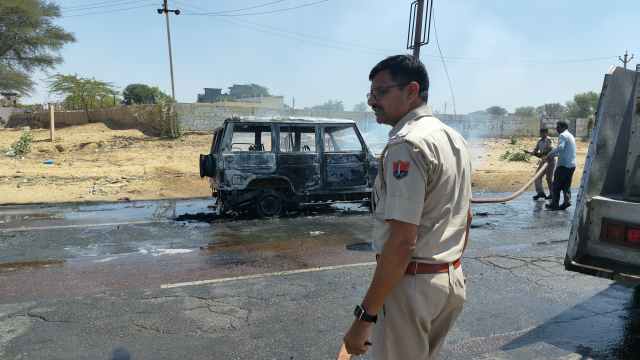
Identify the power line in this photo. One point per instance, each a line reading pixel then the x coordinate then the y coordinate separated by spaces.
pixel 102 4
pixel 345 45
pixel 329 43
pixel 308 38
pixel 264 12
pixel 241 9
pixel 301 38
pixel 446 71
pixel 109 11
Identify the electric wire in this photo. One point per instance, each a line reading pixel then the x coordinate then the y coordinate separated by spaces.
pixel 104 4
pixel 446 70
pixel 262 12
pixel 109 11
pixel 206 12
pixel 316 40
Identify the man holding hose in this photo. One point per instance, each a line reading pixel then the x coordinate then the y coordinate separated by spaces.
pixel 566 153
pixel 543 148
pixel 422 210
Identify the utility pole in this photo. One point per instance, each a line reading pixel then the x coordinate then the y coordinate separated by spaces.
pixel 626 59
pixel 165 10
pixel 419 26
pixel 417 40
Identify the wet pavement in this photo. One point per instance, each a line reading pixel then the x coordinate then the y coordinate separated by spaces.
pixel 104 280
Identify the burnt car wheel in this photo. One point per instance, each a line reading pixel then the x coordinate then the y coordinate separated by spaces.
pixel 269 204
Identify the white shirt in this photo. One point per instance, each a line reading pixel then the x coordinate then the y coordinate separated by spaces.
pixel 566 150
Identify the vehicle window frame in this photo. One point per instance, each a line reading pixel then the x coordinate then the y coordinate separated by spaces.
pixel 330 134
pixel 217 140
pixel 232 127
pixel 294 126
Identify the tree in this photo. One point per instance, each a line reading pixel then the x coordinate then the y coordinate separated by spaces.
pixel 497 111
pixel 84 93
pixel 331 105
pixel 552 110
pixel 526 111
pixel 583 105
pixel 142 94
pixel 247 91
pixel 360 107
pixel 29 41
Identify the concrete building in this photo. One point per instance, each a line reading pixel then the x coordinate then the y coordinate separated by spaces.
pixel 210 95
pixel 8 99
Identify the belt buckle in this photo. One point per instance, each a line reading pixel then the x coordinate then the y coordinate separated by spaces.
pixel 415 268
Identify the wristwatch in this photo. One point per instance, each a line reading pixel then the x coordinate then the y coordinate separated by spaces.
pixel 361 314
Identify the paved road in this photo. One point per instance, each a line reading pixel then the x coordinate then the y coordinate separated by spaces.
pixel 116 281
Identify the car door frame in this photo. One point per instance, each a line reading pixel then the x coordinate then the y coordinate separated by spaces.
pixel 344 171
pixel 302 169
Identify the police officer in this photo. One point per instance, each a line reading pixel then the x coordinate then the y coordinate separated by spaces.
pixel 422 213
pixel 543 148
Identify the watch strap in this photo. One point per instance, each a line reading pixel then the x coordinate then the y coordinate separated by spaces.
pixel 361 314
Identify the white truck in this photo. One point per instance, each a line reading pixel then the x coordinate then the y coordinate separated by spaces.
pixel 605 233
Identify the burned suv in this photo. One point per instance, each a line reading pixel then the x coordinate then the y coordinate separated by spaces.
pixel 273 164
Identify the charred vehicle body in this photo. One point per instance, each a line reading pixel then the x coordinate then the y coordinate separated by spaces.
pixel 605 236
pixel 273 164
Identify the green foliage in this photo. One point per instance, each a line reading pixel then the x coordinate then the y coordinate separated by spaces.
pixel 29 41
pixel 83 93
pixel 515 155
pixel 497 111
pixel 526 111
pixel 552 110
pixel 514 140
pixel 331 105
pixel 247 91
pixel 142 94
pixel 583 105
pixel 23 145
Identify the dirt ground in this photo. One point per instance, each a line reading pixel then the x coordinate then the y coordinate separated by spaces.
pixel 94 163
pixel 491 173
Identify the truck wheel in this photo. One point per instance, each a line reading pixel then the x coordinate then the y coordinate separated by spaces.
pixel 269 204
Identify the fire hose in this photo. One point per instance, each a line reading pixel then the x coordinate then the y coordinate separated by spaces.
pixel 538 174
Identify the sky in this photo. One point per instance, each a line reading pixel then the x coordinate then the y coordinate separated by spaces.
pixel 508 53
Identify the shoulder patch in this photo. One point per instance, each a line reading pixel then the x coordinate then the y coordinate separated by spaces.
pixel 400 169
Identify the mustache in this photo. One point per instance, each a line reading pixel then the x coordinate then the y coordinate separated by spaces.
pixel 377 108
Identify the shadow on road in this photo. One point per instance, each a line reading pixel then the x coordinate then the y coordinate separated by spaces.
pixel 607 326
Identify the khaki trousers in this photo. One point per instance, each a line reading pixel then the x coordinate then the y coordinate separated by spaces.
pixel 417 316
pixel 548 174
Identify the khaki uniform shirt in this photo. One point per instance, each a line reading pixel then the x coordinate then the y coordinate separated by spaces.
pixel 424 178
pixel 543 147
